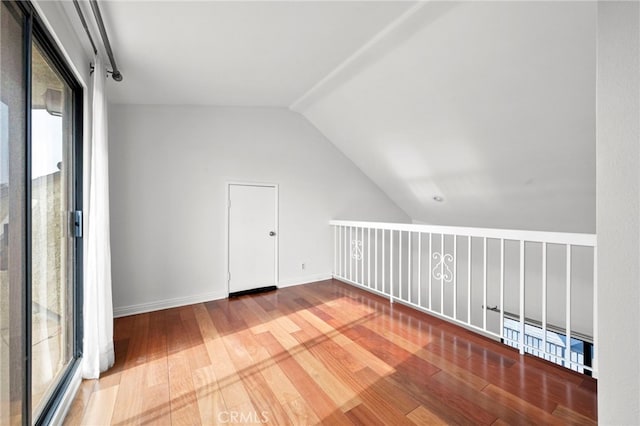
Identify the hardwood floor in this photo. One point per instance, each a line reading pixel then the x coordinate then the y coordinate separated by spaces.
pixel 321 353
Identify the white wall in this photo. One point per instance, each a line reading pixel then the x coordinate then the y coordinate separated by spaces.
pixel 168 169
pixel 618 212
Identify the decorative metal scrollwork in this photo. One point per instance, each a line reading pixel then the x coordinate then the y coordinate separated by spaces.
pixel 356 249
pixel 442 271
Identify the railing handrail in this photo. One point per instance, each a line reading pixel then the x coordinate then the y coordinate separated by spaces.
pixel 574 239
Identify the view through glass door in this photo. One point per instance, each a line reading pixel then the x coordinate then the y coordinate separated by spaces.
pixel 52 242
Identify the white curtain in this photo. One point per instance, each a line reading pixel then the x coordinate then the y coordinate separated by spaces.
pixel 98 351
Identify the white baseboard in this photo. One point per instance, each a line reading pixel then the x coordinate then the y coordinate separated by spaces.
pixel 67 399
pixel 141 308
pixel 123 311
pixel 304 280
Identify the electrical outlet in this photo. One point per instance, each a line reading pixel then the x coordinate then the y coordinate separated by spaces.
pixel 304 266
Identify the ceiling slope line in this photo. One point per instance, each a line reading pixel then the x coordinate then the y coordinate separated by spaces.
pixel 317 89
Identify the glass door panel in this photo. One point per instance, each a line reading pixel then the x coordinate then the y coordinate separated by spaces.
pixel 12 215
pixel 52 245
pixel 40 179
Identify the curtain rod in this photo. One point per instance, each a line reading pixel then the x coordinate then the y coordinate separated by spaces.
pixel 115 74
pixel 85 26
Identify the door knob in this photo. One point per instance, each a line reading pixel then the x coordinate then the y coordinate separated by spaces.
pixel 272 233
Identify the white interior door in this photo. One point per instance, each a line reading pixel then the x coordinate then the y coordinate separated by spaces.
pixel 252 237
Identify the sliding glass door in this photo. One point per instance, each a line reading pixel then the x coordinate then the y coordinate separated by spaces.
pixel 52 242
pixel 40 184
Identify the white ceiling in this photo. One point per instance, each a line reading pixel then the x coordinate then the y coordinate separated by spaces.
pixel 490 105
pixel 234 53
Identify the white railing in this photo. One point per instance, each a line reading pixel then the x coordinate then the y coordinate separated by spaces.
pixel 479 277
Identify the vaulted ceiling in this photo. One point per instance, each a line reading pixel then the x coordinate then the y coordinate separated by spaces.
pixel 488 105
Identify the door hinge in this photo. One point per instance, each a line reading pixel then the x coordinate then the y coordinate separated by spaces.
pixel 76 222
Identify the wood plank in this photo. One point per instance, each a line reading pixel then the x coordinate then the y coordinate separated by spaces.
pixel 210 400
pixel 343 397
pixel 395 396
pixel 448 405
pixel 387 412
pixel 323 406
pixel 156 407
pixel 240 347
pixel 273 375
pixel 445 384
pixel 422 416
pixel 130 397
pixel 80 402
pixel 362 357
pixel 435 360
pixel 183 399
pixel 196 351
pixel 263 398
pixel 300 413
pixel 568 416
pixel 502 397
pixel 229 382
pixel 361 415
pixel 101 406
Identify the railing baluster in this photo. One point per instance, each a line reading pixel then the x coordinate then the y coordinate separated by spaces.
pixel 369 257
pixel 594 350
pixel 567 354
pixel 343 261
pixel 419 269
pixel 354 255
pixel 354 251
pixel 430 271
pixel 455 276
pixel 362 257
pixel 343 253
pixel 339 250
pixel 501 286
pixel 351 253
pixel 384 261
pixel 442 274
pixel 544 295
pixel 409 256
pixel 335 250
pixel 400 263
pixel 375 259
pixel 469 280
pixel 485 272
pixel 391 266
pixel 522 297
